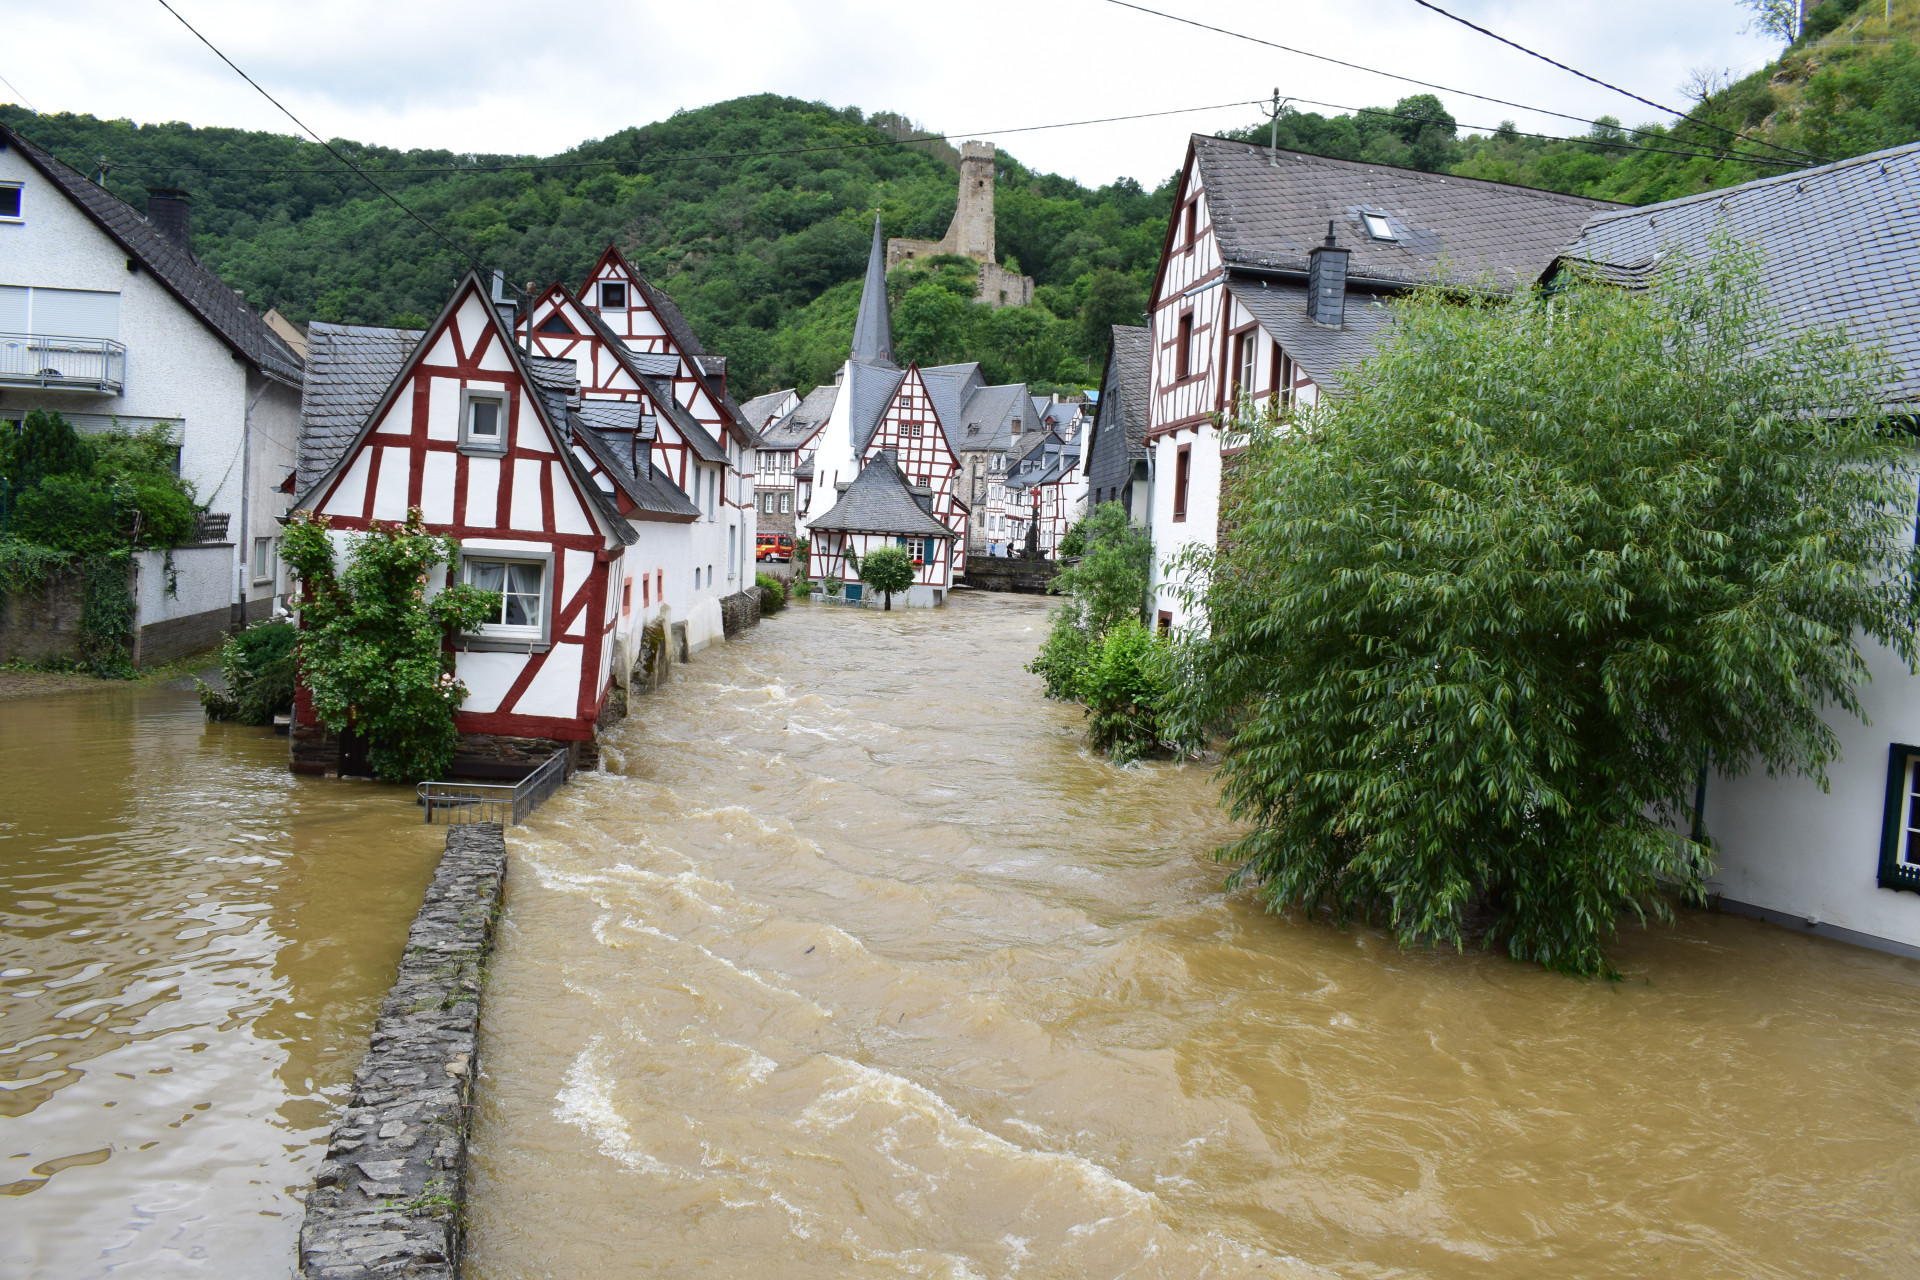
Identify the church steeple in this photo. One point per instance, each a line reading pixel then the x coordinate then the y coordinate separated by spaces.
pixel 873 331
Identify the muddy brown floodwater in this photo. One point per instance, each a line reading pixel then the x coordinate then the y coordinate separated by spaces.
pixel 855 964
pixel 193 944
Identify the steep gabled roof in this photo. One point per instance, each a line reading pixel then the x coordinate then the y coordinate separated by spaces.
pixel 1840 246
pixel 881 500
pixel 349 368
pixel 179 272
pixel 1268 209
pixel 948 386
pixel 761 410
pixel 658 386
pixel 869 389
pixel 614 524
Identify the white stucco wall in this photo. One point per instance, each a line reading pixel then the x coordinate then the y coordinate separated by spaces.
pixel 176 367
pixel 1788 847
pixel 1171 536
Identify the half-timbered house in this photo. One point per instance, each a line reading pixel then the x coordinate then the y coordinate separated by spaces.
pixel 1272 281
pixel 487 442
pixel 632 349
pixel 773 464
pixel 882 507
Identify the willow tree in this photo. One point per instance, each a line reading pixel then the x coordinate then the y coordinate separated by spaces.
pixel 1484 620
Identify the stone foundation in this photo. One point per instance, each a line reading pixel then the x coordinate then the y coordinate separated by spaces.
pixel 388 1199
pixel 740 611
pixel 313 751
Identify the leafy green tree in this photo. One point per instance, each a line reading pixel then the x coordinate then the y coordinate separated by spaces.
pixel 43 444
pixel 1482 622
pixel 887 570
pixel 372 645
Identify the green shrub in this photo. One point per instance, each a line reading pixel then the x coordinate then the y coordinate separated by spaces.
pixel 773 593
pixel 1123 683
pixel 372 651
pixel 1064 653
pixel 887 569
pixel 1483 620
pixel 258 665
pixel 43 444
pixel 834 586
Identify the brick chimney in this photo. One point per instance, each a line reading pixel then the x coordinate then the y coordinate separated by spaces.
pixel 170 210
pixel 1327 282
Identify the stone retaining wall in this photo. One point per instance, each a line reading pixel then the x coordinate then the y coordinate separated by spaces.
pixel 740 611
pixel 388 1200
pixel 1008 573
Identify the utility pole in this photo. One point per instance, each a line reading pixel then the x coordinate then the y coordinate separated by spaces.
pixel 1274 113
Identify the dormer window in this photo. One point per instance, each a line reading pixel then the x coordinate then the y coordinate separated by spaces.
pixel 613 295
pixel 1378 227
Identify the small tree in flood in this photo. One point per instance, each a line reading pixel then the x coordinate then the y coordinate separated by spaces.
pixel 887 569
pixel 372 646
pixel 1482 621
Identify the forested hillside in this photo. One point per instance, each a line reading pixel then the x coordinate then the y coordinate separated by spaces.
pixel 755 214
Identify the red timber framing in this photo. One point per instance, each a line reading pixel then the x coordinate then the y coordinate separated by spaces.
pixel 911 428
pixel 528 498
pixel 563 329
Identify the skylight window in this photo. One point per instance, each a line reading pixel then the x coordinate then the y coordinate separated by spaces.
pixel 1378 227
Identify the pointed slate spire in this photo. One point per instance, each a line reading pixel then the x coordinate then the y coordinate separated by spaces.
pixel 873 331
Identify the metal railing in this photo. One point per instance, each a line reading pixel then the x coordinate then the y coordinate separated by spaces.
pixel 462 803
pixel 45 360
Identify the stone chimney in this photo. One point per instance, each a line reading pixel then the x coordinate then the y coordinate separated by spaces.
pixel 643 446
pixel 170 210
pixel 1327 282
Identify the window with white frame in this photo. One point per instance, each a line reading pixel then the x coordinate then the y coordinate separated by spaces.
pixel 262 559
pixel 483 420
pixel 1378 227
pixel 613 295
pixel 786 504
pixel 523 582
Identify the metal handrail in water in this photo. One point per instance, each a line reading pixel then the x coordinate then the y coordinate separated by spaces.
pixel 463 803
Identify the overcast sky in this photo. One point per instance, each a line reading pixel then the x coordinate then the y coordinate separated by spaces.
pixel 482 75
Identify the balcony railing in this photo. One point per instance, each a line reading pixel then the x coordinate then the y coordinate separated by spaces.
pixel 75 364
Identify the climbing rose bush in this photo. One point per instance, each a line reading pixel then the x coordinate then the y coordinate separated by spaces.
pixel 372 649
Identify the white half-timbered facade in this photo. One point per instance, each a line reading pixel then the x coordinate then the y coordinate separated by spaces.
pixel 476 435
pixel 882 507
pixel 1272 282
pixel 631 346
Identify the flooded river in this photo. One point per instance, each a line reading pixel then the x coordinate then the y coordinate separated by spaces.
pixel 854 964
pixel 192 947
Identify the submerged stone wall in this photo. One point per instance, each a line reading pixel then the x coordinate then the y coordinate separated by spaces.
pixel 388 1199
pixel 1009 573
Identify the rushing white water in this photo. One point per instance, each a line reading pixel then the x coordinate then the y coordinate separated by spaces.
pixel 856 964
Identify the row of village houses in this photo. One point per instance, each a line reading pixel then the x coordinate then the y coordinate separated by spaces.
pixel 587 452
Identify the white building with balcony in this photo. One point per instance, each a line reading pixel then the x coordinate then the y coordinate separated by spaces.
pixel 108 317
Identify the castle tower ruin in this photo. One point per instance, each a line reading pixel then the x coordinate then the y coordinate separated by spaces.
pixel 970 234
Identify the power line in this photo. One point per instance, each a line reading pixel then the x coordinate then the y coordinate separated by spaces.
pixel 23 97
pixel 1375 71
pixel 745 155
pixel 1626 93
pixel 478 266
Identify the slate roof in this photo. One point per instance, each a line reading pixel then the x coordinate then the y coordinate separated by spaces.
pixel 1133 367
pixel 175 267
pixel 1841 246
pixel 801 425
pixel 949 386
pixel 760 410
pixel 1326 354
pixel 993 409
pixel 881 500
pixel 605 429
pixel 873 327
pixel 870 389
pixel 349 367
pixel 1270 208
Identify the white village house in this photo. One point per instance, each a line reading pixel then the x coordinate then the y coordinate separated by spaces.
pixel 108 317
pixel 1842 248
pixel 1269 286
